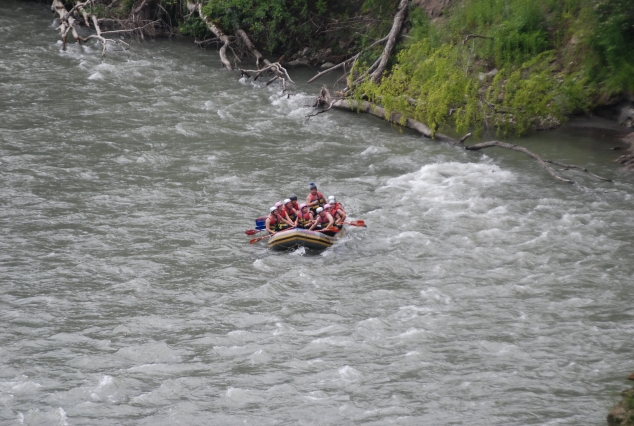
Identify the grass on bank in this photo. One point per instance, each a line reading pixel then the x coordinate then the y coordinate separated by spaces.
pixel 510 64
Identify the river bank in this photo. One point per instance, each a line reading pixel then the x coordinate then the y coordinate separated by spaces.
pixel 549 63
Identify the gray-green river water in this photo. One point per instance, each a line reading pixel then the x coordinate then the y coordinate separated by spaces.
pixel 483 292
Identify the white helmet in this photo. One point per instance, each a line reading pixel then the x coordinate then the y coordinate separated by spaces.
pixel 273 209
pixel 332 199
pixel 288 200
pixel 319 210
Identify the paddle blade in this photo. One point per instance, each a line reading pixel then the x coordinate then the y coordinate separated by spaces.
pixel 255 240
pixel 333 229
pixel 251 232
pixel 358 223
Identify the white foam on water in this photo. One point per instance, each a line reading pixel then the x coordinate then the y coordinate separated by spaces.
pixel 63 419
pixel 332 341
pixel 260 265
pixel 224 114
pixel 436 295
pixel 372 150
pixel 410 333
pixel 445 182
pixel 241 396
pixel 96 76
pixel 349 374
pixel 183 131
pixel 104 382
pixel 298 252
pixel 259 357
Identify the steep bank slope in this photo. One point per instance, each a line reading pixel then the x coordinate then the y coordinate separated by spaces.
pixel 509 64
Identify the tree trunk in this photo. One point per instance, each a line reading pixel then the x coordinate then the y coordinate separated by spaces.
pixel 217 32
pixel 391 40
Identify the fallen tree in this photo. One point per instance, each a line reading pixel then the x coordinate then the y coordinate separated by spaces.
pixel 69 21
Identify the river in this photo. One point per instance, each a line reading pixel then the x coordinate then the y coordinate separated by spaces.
pixel 483 292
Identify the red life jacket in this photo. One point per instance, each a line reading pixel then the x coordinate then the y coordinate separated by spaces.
pixel 317 197
pixel 321 219
pixel 290 214
pixel 304 219
pixel 275 223
pixel 335 209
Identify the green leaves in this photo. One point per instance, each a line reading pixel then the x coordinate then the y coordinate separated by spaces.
pixel 511 64
pixel 281 25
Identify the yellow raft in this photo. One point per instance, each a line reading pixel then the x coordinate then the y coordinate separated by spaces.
pixel 295 238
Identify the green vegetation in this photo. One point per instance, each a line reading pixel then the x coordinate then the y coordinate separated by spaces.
pixel 286 26
pixel 282 26
pixel 510 64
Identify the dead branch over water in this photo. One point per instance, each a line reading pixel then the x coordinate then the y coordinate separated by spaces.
pixel 81 15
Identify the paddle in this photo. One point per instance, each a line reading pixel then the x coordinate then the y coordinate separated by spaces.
pixel 255 240
pixel 253 231
pixel 357 223
pixel 332 228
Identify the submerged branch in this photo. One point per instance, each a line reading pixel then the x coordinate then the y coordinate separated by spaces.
pixel 539 159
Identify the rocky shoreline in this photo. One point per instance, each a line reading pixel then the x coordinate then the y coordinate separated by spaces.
pixel 623 413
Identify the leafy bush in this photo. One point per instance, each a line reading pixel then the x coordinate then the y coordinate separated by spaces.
pixel 281 25
pixel 194 26
pixel 552 58
pixel 614 43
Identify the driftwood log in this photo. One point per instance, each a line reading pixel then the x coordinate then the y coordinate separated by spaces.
pixel 327 102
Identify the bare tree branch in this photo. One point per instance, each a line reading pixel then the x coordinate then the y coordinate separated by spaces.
pixel 347 61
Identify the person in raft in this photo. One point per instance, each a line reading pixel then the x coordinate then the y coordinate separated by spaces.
pixel 289 212
pixel 276 220
pixel 304 217
pixel 293 199
pixel 272 221
pixel 315 198
pixel 337 211
pixel 323 219
pixel 286 221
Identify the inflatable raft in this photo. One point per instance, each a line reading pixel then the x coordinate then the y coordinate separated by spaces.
pixel 295 238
